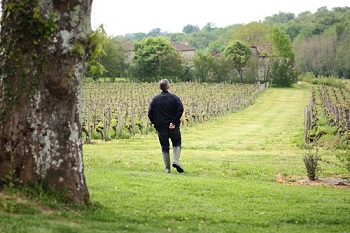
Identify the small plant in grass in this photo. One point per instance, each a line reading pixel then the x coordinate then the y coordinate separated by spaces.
pixel 9 180
pixel 311 163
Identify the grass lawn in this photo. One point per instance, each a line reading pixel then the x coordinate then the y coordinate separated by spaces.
pixel 230 184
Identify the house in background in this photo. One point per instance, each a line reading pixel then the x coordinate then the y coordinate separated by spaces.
pixel 263 53
pixel 186 52
pixel 128 47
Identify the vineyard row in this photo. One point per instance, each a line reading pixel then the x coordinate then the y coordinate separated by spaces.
pixel 119 110
pixel 332 103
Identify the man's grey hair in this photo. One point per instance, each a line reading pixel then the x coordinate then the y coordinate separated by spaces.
pixel 164 84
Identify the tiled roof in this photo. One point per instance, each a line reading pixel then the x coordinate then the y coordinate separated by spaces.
pixel 183 47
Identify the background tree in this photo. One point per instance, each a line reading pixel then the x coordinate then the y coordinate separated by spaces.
pixel 113 60
pixel 209 27
pixel 319 55
pixel 201 39
pixel 190 29
pixel 138 36
pixel 253 34
pixel 280 18
pixel 44 48
pixel 94 68
pixel 282 71
pixel 238 53
pixel 203 64
pixel 281 44
pixel 342 60
pixel 155 32
pixel 155 58
pixel 253 67
pixel 222 70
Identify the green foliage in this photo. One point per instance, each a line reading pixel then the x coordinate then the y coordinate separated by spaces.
pixel 238 53
pixel 321 40
pixel 281 44
pixel 252 70
pixel 342 60
pixel 280 18
pixel 209 27
pixel 155 58
pixel 155 32
pixel 328 81
pixel 311 162
pixel 9 180
pixel 201 39
pixel 282 73
pixel 203 66
pixel 318 54
pixel 211 69
pixel 344 158
pixel 98 40
pixel 113 60
pixel 190 29
pixel 253 33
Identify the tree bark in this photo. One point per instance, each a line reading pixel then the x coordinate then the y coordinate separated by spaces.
pixel 44 50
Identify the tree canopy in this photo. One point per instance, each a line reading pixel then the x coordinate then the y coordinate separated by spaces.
pixel 239 53
pixel 282 71
pixel 155 58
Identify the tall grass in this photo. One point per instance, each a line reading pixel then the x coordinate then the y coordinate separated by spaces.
pixel 229 184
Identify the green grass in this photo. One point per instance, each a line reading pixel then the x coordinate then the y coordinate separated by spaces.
pixel 229 185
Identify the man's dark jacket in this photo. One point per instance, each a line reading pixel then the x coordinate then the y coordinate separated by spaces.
pixel 164 109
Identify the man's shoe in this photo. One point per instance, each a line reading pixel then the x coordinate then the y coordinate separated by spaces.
pixel 178 167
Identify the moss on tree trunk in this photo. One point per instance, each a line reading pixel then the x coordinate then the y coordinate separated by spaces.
pixel 43 68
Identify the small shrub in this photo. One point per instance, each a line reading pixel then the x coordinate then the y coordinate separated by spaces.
pixel 311 163
pixel 10 179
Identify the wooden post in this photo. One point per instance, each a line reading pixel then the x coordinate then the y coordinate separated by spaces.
pixel 133 121
pixel 105 131
pixel 120 124
pixel 347 120
pixel 306 124
pixel 88 137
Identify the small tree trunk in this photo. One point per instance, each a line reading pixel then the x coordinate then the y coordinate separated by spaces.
pixel 45 46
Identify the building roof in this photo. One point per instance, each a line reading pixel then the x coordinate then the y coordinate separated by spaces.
pixel 182 47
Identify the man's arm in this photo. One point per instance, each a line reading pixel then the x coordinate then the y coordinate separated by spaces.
pixel 150 113
pixel 179 110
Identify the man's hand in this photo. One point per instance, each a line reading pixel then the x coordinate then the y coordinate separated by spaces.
pixel 171 126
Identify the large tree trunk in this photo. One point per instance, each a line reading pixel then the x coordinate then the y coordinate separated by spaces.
pixel 44 49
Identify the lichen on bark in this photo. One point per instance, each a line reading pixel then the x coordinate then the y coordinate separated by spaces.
pixel 41 81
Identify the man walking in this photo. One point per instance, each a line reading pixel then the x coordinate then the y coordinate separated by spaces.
pixel 164 113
